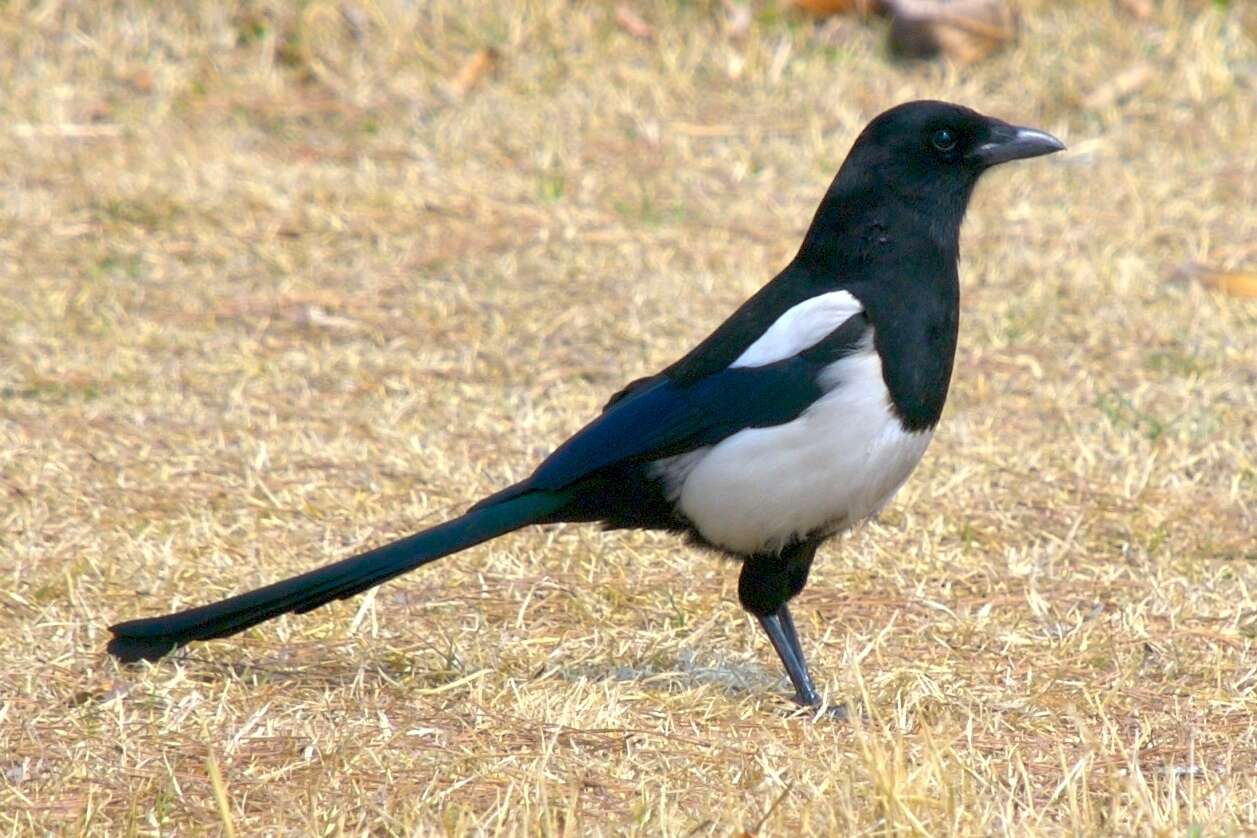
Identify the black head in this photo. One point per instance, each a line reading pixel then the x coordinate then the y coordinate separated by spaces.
pixel 924 158
pixel 931 146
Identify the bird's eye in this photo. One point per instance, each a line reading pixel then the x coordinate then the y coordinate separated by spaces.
pixel 943 140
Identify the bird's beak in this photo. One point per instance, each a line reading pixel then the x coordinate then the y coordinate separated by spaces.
pixel 1010 142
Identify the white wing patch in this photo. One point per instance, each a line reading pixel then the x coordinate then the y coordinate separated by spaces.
pixel 802 325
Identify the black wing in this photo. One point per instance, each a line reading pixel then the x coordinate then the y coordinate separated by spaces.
pixel 662 417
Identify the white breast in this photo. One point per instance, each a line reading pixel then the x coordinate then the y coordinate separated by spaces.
pixel 835 465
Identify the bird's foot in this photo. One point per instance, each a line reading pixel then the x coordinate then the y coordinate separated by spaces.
pixel 819 709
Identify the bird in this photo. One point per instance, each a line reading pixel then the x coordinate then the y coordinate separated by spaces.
pixel 796 419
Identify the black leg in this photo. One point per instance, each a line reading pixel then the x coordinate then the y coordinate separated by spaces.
pixel 792 635
pixel 767 583
pixel 780 630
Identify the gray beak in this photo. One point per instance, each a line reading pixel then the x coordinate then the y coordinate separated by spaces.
pixel 1009 142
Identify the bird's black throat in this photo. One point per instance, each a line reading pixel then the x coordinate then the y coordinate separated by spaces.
pixel 899 258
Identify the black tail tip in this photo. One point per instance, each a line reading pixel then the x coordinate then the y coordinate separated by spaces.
pixel 134 649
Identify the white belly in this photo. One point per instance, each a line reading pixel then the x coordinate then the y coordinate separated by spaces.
pixel 835 465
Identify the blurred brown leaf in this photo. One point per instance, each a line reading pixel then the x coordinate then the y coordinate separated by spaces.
pixel 738 18
pixel 1241 282
pixel 825 8
pixel 963 30
pixel 631 22
pixel 481 63
pixel 1138 9
pixel 142 80
pixel 1119 87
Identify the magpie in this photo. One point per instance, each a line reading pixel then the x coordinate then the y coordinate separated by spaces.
pixel 797 418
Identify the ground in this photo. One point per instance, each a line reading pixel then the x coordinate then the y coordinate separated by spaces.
pixel 278 283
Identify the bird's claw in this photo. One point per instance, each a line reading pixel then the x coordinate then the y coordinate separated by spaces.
pixel 818 709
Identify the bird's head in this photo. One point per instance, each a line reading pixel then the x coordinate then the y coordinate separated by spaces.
pixel 924 157
pixel 937 142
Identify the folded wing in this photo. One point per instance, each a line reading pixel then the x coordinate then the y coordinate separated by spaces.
pixel 662 418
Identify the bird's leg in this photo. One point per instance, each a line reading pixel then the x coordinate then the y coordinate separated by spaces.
pixel 766 584
pixel 780 630
pixel 792 634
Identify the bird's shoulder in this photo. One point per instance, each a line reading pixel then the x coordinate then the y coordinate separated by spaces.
pixel 751 325
pixel 904 287
pixel 765 326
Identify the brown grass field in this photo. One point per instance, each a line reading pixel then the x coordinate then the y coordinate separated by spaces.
pixel 281 282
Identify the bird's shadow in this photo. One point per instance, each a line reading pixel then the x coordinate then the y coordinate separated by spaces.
pixel 688 670
pixel 685 671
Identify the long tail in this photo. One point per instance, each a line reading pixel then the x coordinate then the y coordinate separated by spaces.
pixel 151 638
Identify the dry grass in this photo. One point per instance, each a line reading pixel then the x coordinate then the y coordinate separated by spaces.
pixel 271 290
